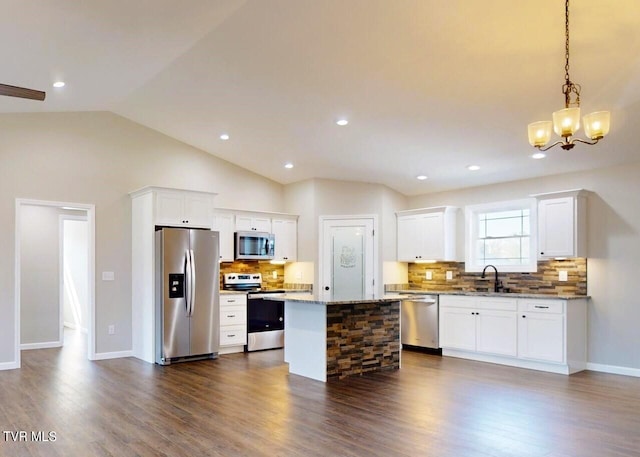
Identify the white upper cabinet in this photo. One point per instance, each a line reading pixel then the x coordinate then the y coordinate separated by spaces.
pixel 183 208
pixel 427 234
pixel 248 223
pixel 286 239
pixel 224 224
pixel 562 224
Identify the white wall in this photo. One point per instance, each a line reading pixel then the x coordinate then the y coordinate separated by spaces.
pixel 613 250
pixel 323 197
pixel 98 158
pixel 40 275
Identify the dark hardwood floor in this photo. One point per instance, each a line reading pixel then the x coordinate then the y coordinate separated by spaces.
pixel 249 405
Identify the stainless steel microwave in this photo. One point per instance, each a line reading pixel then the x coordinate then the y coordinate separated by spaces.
pixel 254 246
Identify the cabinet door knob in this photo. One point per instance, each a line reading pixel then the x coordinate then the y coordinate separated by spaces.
pixel 523 316
pixel 326 288
pixel 542 253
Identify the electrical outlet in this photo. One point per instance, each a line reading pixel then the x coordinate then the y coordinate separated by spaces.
pixel 428 275
pixel 108 276
pixel 274 274
pixel 449 275
pixel 298 275
pixel 112 329
pixel 563 275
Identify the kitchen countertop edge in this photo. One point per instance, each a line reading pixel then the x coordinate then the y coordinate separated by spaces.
pixel 406 293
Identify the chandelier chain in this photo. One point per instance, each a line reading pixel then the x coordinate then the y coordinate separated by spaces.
pixel 568 87
pixel 566 43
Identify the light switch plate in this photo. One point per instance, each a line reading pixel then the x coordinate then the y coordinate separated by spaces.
pixel 428 275
pixel 562 275
pixel 298 275
pixel 108 276
pixel 449 275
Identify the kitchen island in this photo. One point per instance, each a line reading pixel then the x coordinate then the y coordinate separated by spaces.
pixel 334 339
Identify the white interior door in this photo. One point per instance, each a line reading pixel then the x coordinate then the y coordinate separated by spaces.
pixel 348 259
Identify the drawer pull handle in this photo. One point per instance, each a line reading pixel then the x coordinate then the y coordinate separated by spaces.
pixel 231 315
pixel 230 336
pixel 231 301
pixel 541 307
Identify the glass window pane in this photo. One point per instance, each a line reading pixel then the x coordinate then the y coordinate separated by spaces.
pixel 504 227
pixel 504 214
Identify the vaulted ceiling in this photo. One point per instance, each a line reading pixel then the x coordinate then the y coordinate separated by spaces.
pixel 428 86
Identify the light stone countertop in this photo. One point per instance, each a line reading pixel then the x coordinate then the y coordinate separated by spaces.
pixel 310 298
pixel 408 292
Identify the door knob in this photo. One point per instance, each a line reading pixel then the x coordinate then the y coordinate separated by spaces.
pixel 326 287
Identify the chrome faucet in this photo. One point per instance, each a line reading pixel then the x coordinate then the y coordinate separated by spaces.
pixel 498 284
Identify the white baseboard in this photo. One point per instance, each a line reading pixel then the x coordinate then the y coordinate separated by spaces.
pixel 9 366
pixel 46 345
pixel 626 371
pixel 112 355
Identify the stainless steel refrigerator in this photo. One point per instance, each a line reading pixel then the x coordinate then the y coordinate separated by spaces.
pixel 187 294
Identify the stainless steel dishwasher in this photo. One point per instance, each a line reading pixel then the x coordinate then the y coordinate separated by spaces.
pixel 419 322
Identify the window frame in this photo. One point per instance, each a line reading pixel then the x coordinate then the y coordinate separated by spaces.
pixel 471 234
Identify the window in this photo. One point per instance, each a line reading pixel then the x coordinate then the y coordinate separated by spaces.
pixel 501 234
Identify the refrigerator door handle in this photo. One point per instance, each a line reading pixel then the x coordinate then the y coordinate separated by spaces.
pixel 193 283
pixel 188 289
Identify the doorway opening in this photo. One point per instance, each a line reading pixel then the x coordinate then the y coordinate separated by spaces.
pixel 348 257
pixel 54 275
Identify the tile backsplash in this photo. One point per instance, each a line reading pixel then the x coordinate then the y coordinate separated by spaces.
pixel 544 281
pixel 253 266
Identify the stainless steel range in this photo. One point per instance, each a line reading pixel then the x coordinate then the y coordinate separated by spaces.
pixel 265 317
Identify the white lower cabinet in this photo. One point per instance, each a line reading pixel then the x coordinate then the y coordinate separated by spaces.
pixel 457 327
pixel 496 332
pixel 541 326
pixel 233 323
pixel 542 334
pixel 478 324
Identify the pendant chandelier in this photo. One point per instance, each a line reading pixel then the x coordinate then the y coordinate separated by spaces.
pixel 566 122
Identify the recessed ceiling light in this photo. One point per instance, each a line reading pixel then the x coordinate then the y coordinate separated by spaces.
pixel 538 155
pixel 224 137
pixel 58 84
pixel 288 165
pixel 421 177
pixel 342 122
pixel 473 168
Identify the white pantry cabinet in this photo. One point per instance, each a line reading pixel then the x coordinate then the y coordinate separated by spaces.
pixel 537 333
pixel 426 234
pixel 562 224
pixel 286 239
pixel 233 323
pixel 224 223
pixel 151 207
pixel 178 208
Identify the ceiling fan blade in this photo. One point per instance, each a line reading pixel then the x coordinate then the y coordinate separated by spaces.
pixel 21 92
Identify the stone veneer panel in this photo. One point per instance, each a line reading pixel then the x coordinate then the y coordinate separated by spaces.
pixel 544 281
pixel 362 338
